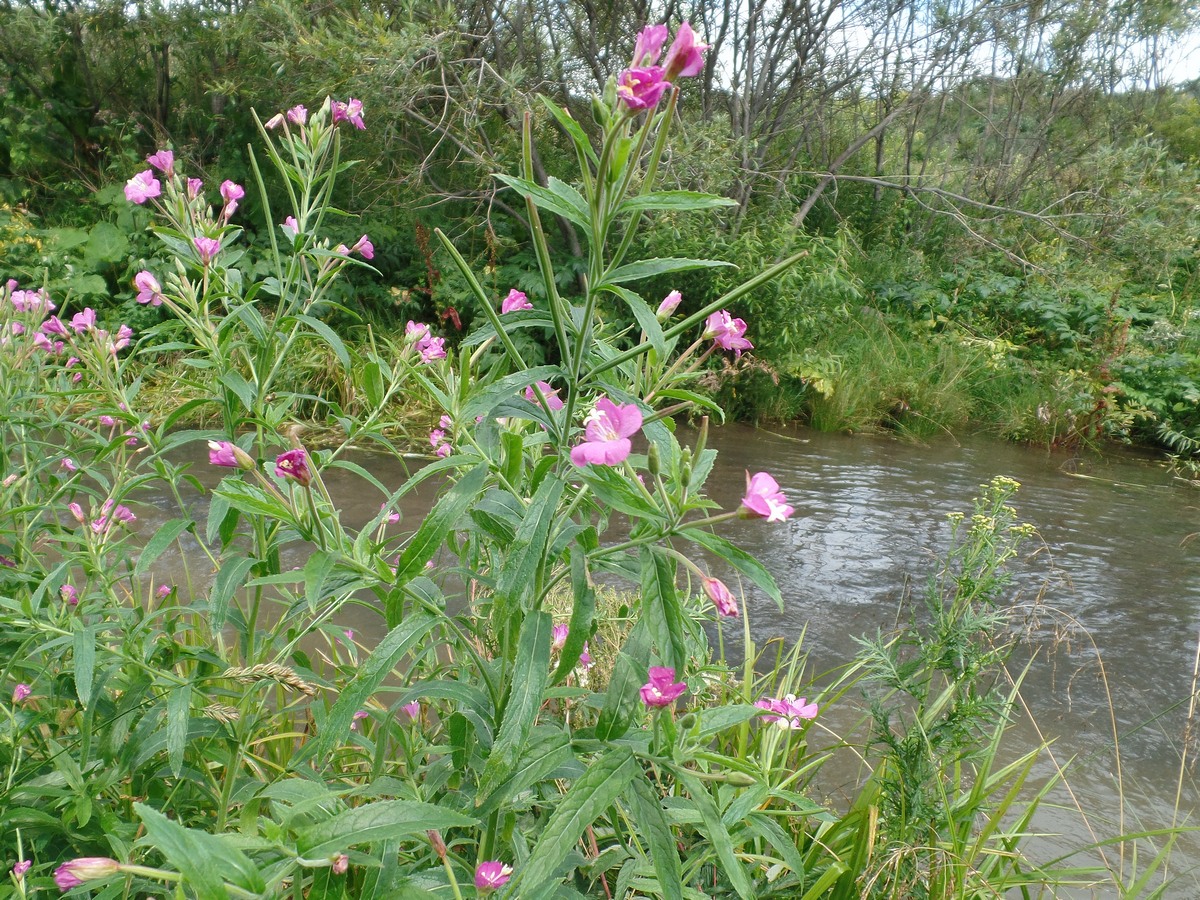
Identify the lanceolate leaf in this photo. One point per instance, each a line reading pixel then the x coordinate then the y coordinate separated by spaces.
pixel 549 200
pixel 717 833
pixel 739 559
pixel 573 128
pixel 648 268
pixel 660 606
pixel 673 200
pixel 652 825
pixel 582 613
pixel 205 860
pixel 446 513
pixel 622 700
pixel 379 821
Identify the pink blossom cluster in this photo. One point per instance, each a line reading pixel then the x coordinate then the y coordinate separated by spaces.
pixel 642 85
pixel 428 347
pixel 558 640
pixel 787 712
pixel 111 513
pixel 437 438
pixel 52 335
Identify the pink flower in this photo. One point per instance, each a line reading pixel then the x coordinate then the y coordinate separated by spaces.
pixel 32 301
pixel 21 692
pixel 229 455
pixel 788 712
pixel 194 186
pixel 515 301
pixel 351 111
pixel 431 348
pixel 669 304
pixel 641 88
pixel 416 331
pixel 649 45
pixel 21 868
pixel 662 689
pixel 764 500
pixel 142 187
pixel 364 248
pixel 412 710
pixel 69 595
pixel 290 227
pixel 721 596
pixel 207 247
pixel 585 658
pixel 443 451
pixel 164 161
pixel 231 193
pixel 445 422
pixel 294 465
pixel 87 868
pixel 149 290
pixel 549 395
pixel 274 122
pixel 727 332
pixel 356 718
pixel 558 637
pixel 297 115
pixel 164 591
pixel 340 864
pixel 436 437
pixel 53 325
pixel 76 512
pixel 684 59
pixel 69 464
pixel 124 335
pixel 109 421
pixel 608 430
pixel 491 875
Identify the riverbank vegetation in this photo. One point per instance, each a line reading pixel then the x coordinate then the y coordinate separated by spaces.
pixel 997 205
pixel 218 732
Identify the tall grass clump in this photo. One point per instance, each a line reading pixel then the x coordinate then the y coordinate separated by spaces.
pixel 221 734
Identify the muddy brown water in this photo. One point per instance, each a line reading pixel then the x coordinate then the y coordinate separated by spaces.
pixel 1113 564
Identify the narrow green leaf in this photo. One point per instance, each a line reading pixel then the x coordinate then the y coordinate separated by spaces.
pixel 382 820
pixel 399 641
pixel 622 701
pixel 646 318
pixel 316 572
pixel 676 201
pixel 526 554
pixel 648 268
pixel 205 860
pixel 330 337
pixel 582 613
pixel 525 698
pixel 652 825
pixel 157 545
pixel 572 128
pixel 179 704
pixel 546 199
pixel 225 585
pixel 660 606
pixel 240 387
pixel 433 530
pixel 717 833
pixel 739 559
pixel 251 499
pixel 598 788
pixel 542 757
pixel 84 645
pixel 485 400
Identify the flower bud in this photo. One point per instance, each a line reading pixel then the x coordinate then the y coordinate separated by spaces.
pixel 600 113
pixel 652 461
pixel 75 872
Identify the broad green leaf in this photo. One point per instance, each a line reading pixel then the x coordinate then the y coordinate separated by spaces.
pixel 542 758
pixel 582 612
pixel 653 827
pixel 251 499
pixel 179 704
pixel 225 585
pixel 240 386
pixel 660 606
pixel 599 787
pixel 84 645
pixel 317 570
pixel 546 199
pixel 676 201
pixel 647 268
pixel 523 559
pixel 485 400
pixel 714 720
pixel 622 701
pixel 739 559
pixel 383 659
pixel 383 820
pixel 433 530
pixel 525 699
pixel 155 547
pixel 205 860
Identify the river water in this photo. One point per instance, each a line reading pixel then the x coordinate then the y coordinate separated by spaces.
pixel 1113 568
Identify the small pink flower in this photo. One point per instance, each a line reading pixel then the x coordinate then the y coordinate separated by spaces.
pixel 297 115
pixel 787 712
pixel 558 637
pixel 194 186
pixel 84 321
pixel 764 500
pixel 649 45
pixel 207 248
pixel 669 304
pixel 21 692
pixel 351 111
pixel 585 658
pixel 443 451
pixel 515 301
pixel 290 228
pixel 727 332
pixel 685 58
pixel 274 122
pixel 76 512
pixel 431 348
pixel 121 341
pixel 69 464
pixel 608 430
pixel 69 595
pixel 364 248
pixel 142 187
pixel 21 868
pixel 87 868
pixel 340 864
pixel 412 710
pixel 108 421
pixel 549 395
pixel 229 455
pixel 149 290
pixel 641 88
pixel 356 718
pixel 164 161
pixel 231 193
pixel 53 325
pixel 721 596
pixel 294 465
pixel 491 875
pixel 436 437
pixel 416 331
pixel 662 689
pixel 164 591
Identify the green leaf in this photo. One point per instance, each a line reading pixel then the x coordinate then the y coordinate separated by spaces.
pixel 739 559
pixel 673 200
pixel 84 645
pixel 548 200
pixel 622 701
pixel 542 758
pixel 714 720
pixel 316 572
pixel 230 577
pixel 382 820
pixel 179 704
pixel 383 659
pixel 717 833
pixel 251 499
pixel 572 128
pixel 203 859
pixel 525 699
pixel 646 318
pixel 330 337
pixel 157 545
pixel 647 268
pixel 106 244
pixel 599 787
pixel 433 530
pixel 485 400
pixel 525 556
pixel 240 386
pixel 653 826
pixel 660 606
pixel 582 613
